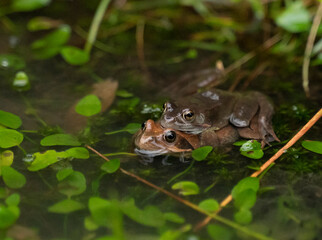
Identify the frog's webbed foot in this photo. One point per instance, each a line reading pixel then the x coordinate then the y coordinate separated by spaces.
pixel 165 161
pixel 145 160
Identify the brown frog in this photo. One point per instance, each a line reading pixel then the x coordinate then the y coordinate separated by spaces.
pixel 153 140
pixel 249 112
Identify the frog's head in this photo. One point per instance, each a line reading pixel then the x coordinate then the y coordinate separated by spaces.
pixel 153 140
pixel 185 118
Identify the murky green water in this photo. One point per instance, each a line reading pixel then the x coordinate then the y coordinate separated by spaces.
pixel 288 202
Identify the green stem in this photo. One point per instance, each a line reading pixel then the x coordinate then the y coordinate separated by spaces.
pixel 181 173
pixel 45 181
pixel 23 150
pixel 29 131
pixel 119 153
pixel 265 171
pixel 117 131
pixel 95 24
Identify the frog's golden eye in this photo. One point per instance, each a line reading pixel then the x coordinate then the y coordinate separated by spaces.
pixel 188 115
pixel 170 136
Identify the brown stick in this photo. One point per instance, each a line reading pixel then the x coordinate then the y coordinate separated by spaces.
pixel 290 143
pixel 308 49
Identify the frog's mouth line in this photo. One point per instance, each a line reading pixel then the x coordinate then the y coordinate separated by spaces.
pixel 150 153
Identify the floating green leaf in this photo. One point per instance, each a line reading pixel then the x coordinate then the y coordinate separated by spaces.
pixel 111 166
pixel 74 55
pixel 52 43
pixel 77 152
pixel 245 199
pixel 13 199
pixel 10 138
pixel 173 217
pixel 243 216
pixel 209 205
pixel 10 120
pixel 217 232
pixel 66 206
pixel 41 23
pixel 149 216
pixel 239 143
pixel 28 5
pixel 295 18
pixel 7 217
pixel 64 173
pixel 123 93
pixel 252 149
pixel 313 146
pixel 201 153
pixel 73 184
pixel 11 61
pixel 130 128
pixel 186 188
pixel 60 139
pixel 43 160
pixel 89 105
pixel 244 184
pixel 6 158
pixel 12 178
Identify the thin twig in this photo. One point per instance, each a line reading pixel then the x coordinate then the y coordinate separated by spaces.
pixel 99 14
pixel 140 44
pixel 229 198
pixel 187 203
pixel 267 44
pixel 308 49
pixel 261 68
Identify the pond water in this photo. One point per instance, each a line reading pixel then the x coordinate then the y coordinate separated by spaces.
pixel 288 203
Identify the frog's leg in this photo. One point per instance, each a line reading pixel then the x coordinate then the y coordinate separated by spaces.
pixel 223 136
pixel 265 114
pixel 250 132
pixel 244 110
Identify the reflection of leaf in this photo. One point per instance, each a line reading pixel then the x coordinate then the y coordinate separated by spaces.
pixel 10 138
pixel 10 120
pixel 88 105
pixel 7 217
pixel 186 188
pixel 78 152
pixel 173 217
pixel 245 199
pixel 201 153
pixel 243 216
pixel 313 146
pixel 13 199
pixel 12 177
pixel 64 173
pixel 66 206
pixel 59 139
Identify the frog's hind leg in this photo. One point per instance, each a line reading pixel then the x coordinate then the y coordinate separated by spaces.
pixel 244 110
pixel 265 114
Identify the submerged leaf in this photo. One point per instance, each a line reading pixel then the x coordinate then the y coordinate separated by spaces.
pixel 7 217
pixel 243 216
pixel 77 152
pixel 245 199
pixel 88 106
pixel 60 139
pixel 73 184
pixel 13 199
pixel 28 5
pixel 12 178
pixel 74 55
pixel 149 216
pixel 64 173
pixel 217 232
pixel 201 153
pixel 246 183
pixel 10 138
pixel 209 205
pixel 111 166
pixel 313 146
pixel 173 217
pixel 186 188
pixel 11 61
pixel 66 206
pixel 10 120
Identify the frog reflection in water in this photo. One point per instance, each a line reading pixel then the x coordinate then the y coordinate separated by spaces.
pixel 250 113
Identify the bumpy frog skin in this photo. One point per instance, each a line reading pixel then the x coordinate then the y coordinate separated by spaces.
pixel 153 140
pixel 215 109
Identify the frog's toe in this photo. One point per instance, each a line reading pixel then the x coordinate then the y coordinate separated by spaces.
pixel 238 122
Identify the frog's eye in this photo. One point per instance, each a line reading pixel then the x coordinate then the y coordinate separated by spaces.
pixel 143 126
pixel 188 115
pixel 170 136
